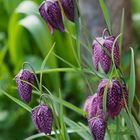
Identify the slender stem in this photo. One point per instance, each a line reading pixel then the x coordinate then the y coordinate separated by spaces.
pixel 105 31
pixel 27 63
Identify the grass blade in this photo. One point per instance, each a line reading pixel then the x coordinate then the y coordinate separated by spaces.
pixel 77 26
pixel 121 32
pixel 132 81
pixel 106 15
pixel 43 65
pixel 20 103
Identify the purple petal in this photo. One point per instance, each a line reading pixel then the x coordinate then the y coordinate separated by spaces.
pixel 68 7
pixel 51 13
pixel 96 52
pixel 98 127
pixel 23 78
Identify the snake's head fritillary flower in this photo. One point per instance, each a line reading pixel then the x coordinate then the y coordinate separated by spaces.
pixel 24 79
pixel 51 12
pixel 68 7
pixel 114 95
pixel 91 105
pixel 97 126
pixel 100 56
pixel 42 118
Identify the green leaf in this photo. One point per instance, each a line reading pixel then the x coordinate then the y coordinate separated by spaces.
pixel 65 103
pixel 131 81
pixel 69 105
pixel 106 90
pixel 43 65
pixel 112 56
pixel 74 130
pixel 64 133
pixel 121 31
pixel 106 15
pixel 82 131
pixel 27 7
pixel 77 26
pixel 20 103
pixel 3 53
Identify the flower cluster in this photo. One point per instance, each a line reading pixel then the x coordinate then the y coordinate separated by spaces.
pixel 50 10
pixel 114 102
pixel 116 91
pixel 41 114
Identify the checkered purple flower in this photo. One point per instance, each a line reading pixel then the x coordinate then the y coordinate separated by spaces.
pixel 99 55
pixel 97 126
pixel 42 118
pixel 68 7
pixel 114 95
pixel 51 12
pixel 24 79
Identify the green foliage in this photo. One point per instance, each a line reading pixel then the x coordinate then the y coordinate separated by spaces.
pixel 132 81
pixel 58 63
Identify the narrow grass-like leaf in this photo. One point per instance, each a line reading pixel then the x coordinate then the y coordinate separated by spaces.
pixel 106 90
pixel 64 133
pixel 3 52
pixel 69 70
pixel 56 70
pixel 43 65
pixel 83 132
pixel 74 130
pixel 61 116
pixel 73 49
pixel 77 25
pixel 106 15
pixel 112 56
pixel 121 31
pixel 70 106
pixel 131 123
pixel 65 103
pixel 20 103
pixel 131 81
pixel 39 136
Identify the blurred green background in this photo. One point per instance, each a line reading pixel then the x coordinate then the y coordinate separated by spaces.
pixel 24 36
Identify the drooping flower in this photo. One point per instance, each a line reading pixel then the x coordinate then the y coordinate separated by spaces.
pixel 91 105
pixel 114 95
pixel 24 79
pixel 68 7
pixel 42 118
pixel 97 126
pixel 100 56
pixel 51 12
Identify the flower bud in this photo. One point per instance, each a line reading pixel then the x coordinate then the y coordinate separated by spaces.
pixel 97 126
pixel 24 79
pixel 114 95
pixel 68 7
pixel 51 13
pixel 42 118
pixel 99 55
